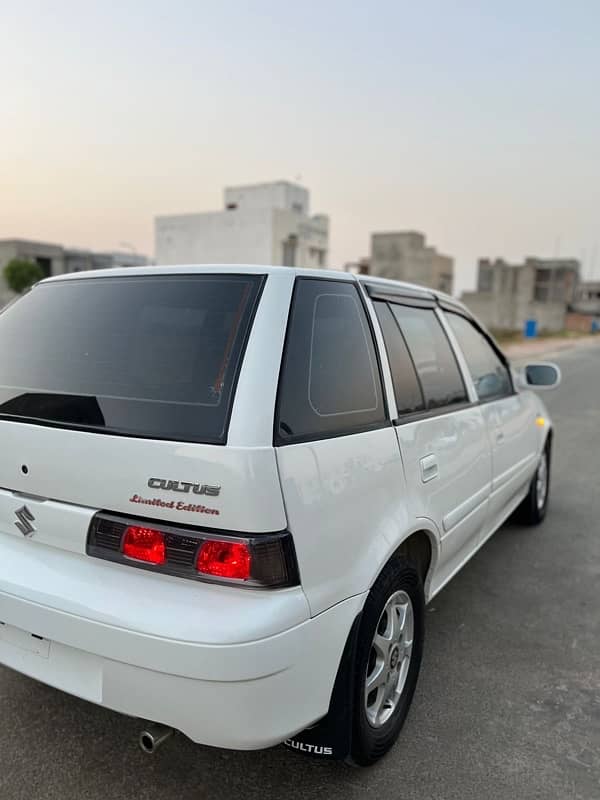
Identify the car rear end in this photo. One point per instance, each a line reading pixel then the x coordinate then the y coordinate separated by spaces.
pixel 145 558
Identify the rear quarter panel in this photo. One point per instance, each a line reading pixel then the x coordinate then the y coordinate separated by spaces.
pixel 347 509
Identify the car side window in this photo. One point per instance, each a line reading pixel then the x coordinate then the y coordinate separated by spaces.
pixel 489 373
pixel 432 355
pixel 407 388
pixel 330 382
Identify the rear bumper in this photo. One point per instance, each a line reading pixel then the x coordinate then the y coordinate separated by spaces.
pixel 243 696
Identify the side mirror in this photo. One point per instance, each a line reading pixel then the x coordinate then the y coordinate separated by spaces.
pixel 542 375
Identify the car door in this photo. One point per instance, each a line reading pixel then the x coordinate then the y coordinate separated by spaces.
pixel 441 433
pixel 337 453
pixel 510 418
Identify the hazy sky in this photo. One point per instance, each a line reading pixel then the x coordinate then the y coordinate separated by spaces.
pixel 475 122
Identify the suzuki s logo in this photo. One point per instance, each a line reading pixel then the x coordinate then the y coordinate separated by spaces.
pixel 25 518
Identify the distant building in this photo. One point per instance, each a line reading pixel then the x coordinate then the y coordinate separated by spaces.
pixel 584 311
pixel 360 267
pixel 405 256
pixel 587 298
pixel 53 259
pixel 509 294
pixel 267 223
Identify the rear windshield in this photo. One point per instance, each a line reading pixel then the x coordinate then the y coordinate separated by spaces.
pixel 146 356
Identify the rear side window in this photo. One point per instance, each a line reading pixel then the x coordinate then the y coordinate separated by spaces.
pixel 407 389
pixel 433 357
pixel 151 356
pixel 489 373
pixel 329 383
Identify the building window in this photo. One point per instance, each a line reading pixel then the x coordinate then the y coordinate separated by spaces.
pixel 485 282
pixel 289 251
pixel 543 285
pixel 45 264
pixel 317 254
pixel 445 283
pixel 559 286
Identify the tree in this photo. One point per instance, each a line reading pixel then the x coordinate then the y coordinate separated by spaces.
pixel 20 274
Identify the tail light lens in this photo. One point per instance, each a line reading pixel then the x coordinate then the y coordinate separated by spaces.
pixel 144 544
pixel 261 560
pixel 224 559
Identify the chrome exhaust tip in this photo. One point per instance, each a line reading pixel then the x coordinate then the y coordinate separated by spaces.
pixel 153 736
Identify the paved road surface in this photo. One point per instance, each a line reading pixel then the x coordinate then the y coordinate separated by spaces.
pixel 508 705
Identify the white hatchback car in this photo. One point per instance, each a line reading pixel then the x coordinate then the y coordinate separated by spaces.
pixel 229 492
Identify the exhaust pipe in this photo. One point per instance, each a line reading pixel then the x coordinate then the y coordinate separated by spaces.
pixel 153 736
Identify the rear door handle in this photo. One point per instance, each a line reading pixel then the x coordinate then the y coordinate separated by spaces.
pixel 499 437
pixel 429 468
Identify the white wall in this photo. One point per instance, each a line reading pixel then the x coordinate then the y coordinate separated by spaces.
pixel 219 237
pixel 312 233
pixel 281 194
pixel 253 231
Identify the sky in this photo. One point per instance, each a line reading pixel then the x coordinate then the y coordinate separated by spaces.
pixel 477 123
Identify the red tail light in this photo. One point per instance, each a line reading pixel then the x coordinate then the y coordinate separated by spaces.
pixel 145 544
pixel 224 559
pixel 263 560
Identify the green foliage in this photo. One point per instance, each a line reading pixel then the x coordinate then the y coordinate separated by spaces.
pixel 21 274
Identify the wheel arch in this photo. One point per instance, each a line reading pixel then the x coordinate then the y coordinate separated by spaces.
pixel 332 735
pixel 422 547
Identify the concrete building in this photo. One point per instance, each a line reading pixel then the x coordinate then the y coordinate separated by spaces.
pixel 267 223
pixel 584 311
pixel 509 294
pixel 587 298
pixel 54 259
pixel 360 267
pixel 405 256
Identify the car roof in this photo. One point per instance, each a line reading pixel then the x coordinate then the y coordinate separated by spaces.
pixel 193 269
pixel 392 286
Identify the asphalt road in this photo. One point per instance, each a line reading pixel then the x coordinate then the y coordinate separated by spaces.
pixel 508 704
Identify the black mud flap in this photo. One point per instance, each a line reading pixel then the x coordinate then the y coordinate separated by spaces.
pixel 331 737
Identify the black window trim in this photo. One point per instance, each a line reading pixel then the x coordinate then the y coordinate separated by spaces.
pixel 417 416
pixel 448 308
pixel 278 441
pixel 261 279
pixel 402 296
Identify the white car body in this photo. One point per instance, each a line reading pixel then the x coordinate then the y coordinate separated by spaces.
pixel 231 667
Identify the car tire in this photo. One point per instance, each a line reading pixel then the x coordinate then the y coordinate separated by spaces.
pixel 390 639
pixel 534 507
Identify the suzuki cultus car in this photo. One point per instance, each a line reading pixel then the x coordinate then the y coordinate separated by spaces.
pixel 228 493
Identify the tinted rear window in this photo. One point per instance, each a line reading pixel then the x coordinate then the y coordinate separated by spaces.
pixel 330 383
pixel 153 356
